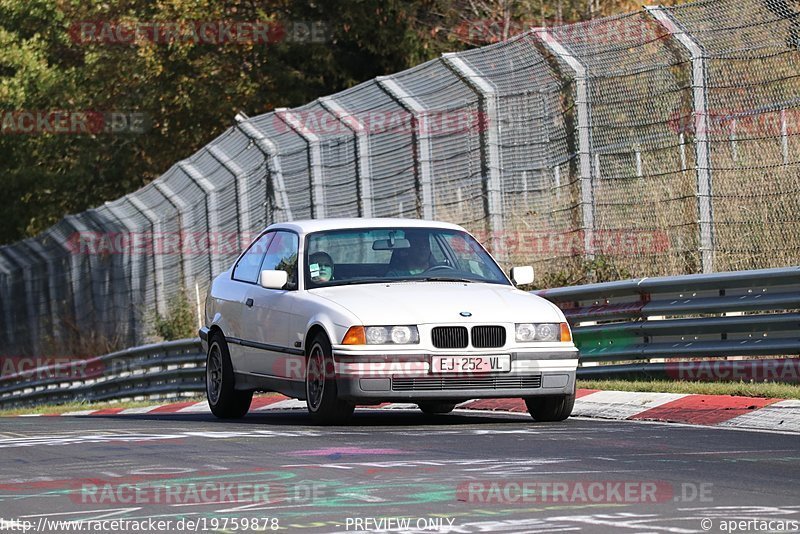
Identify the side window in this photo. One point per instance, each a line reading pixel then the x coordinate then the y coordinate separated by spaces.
pixel 248 267
pixel 282 256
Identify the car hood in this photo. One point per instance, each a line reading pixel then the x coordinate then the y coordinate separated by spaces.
pixel 440 302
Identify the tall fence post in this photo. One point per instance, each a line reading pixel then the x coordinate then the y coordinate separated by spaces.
pixel 52 282
pixel 79 285
pixel 158 258
pixel 701 127
pixel 136 268
pixel 242 193
pixel 487 93
pixel 785 137
pixel 584 135
pixel 212 211
pixel 422 131
pixel 6 272
pixel 364 168
pixel 315 160
pixel 187 224
pixel 32 316
pixel 273 163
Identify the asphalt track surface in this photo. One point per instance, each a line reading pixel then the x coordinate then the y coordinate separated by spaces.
pixel 465 472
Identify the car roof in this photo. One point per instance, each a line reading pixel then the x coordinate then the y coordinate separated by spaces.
pixel 318 225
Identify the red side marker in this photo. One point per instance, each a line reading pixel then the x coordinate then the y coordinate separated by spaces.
pixel 107 411
pixel 260 402
pixel 704 409
pixel 172 408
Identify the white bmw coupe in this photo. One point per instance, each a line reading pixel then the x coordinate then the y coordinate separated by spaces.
pixel 342 312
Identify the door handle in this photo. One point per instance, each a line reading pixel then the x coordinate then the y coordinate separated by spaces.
pixel 249 303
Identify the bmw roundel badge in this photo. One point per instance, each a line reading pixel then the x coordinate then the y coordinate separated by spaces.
pixel 465 314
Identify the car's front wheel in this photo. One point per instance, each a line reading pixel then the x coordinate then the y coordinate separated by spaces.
pixel 436 408
pixel 322 396
pixel 223 398
pixel 551 408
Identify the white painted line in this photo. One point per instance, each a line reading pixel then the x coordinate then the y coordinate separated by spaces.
pixel 289 404
pixel 200 407
pixel 144 409
pixel 620 404
pixel 399 406
pixel 81 412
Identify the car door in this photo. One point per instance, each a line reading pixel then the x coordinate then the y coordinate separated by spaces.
pixel 244 277
pixel 266 321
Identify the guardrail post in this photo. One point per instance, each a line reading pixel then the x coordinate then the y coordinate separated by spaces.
pixel 584 135
pixel 158 258
pixel 265 145
pixel 242 194
pixel 422 134
pixel 364 168
pixel 212 211
pixel 701 127
pixel 493 187
pixel 187 224
pixel 315 160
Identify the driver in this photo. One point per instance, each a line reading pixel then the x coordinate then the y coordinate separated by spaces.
pixel 412 260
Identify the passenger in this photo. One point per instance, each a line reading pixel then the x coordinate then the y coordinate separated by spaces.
pixel 320 264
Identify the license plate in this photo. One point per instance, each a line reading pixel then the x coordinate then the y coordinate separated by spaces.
pixel 471 364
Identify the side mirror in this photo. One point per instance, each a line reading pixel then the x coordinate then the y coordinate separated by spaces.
pixel 273 279
pixel 522 276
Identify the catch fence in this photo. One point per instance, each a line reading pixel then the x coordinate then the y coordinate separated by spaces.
pixel 662 142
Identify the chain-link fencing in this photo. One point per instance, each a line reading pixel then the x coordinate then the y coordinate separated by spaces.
pixel 661 142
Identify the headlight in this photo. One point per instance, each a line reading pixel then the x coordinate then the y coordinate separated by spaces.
pixel 397 335
pixel 527 332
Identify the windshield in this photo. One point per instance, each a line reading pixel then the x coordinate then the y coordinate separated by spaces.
pixel 369 255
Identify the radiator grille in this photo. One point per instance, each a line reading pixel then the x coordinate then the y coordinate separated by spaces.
pixel 486 337
pixel 446 383
pixel 449 337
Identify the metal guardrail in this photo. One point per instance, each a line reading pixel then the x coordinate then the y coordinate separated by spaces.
pixel 745 313
pixel 622 324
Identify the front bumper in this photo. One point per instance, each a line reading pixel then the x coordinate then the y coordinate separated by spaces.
pixel 409 378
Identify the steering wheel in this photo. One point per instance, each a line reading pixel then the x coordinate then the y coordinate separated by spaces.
pixel 439 267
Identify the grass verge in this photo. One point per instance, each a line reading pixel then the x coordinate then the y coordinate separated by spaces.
pixel 741 389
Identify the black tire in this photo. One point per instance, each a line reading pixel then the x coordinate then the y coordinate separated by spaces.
pixel 223 399
pixel 551 408
pixel 322 396
pixel 436 408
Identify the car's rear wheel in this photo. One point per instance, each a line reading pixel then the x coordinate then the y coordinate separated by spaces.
pixel 322 396
pixel 551 408
pixel 436 408
pixel 223 398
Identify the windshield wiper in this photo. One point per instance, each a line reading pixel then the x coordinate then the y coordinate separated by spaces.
pixel 446 279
